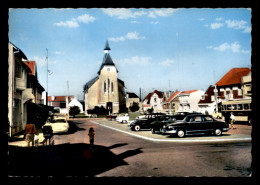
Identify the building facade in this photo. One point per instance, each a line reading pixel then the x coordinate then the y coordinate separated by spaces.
pixel 105 89
pixel 24 91
pixel 188 100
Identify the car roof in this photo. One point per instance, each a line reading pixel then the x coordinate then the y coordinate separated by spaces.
pixel 197 114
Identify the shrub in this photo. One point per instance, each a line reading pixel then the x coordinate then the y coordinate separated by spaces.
pixel 134 107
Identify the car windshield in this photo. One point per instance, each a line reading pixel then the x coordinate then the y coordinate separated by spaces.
pixel 59 121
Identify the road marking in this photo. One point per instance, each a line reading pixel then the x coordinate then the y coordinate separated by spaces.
pixel 174 140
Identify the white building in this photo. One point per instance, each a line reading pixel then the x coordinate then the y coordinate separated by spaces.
pixel 154 100
pixel 188 100
pixel 75 102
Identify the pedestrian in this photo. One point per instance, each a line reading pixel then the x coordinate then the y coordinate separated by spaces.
pixel 91 135
pixel 30 131
pixel 232 120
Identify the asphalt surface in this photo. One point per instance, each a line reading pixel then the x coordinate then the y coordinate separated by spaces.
pixel 124 153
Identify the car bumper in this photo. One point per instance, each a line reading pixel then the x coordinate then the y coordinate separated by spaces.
pixel 164 131
pixel 226 129
pixel 60 131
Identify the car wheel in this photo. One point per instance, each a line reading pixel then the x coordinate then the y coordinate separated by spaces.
pixel 218 132
pixel 181 133
pixel 137 127
pixel 124 121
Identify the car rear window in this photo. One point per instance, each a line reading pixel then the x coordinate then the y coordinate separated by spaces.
pixel 59 121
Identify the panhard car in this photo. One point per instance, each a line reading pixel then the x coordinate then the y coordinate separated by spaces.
pixel 196 123
pixel 59 125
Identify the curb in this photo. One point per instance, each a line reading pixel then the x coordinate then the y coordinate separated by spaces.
pixel 176 140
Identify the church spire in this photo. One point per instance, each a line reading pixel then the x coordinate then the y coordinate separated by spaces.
pixel 107 48
pixel 107 60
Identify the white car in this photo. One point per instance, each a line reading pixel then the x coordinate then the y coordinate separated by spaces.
pixel 123 119
pixel 59 125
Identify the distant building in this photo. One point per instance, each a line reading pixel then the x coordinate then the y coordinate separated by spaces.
pixel 208 101
pixel 172 103
pixel 75 102
pixel 188 100
pixel 24 92
pixel 131 98
pixel 153 100
pixel 105 89
pixel 60 102
pixel 229 87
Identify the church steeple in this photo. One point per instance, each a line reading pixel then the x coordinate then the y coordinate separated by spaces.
pixel 107 48
pixel 107 60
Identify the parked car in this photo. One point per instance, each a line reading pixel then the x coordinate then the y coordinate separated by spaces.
pixel 123 118
pixel 145 123
pixel 111 117
pixel 196 123
pixel 59 125
pixel 161 121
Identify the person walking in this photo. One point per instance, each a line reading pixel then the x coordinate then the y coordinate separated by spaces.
pixel 30 131
pixel 91 135
pixel 232 120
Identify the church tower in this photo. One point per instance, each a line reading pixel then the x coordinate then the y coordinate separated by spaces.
pixel 108 94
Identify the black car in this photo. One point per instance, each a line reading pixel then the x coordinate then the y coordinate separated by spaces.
pixel 161 121
pixel 145 123
pixel 196 123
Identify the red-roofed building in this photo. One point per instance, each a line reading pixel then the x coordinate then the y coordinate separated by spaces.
pixel 188 100
pixel 171 104
pixel 59 101
pixel 153 100
pixel 208 103
pixel 229 86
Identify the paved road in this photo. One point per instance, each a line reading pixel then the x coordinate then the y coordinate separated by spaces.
pixel 133 156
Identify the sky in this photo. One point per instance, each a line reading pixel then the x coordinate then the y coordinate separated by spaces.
pixel 158 48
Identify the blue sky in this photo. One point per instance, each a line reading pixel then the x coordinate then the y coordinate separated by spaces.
pixel 182 49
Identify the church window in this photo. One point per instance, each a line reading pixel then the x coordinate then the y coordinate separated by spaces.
pixel 105 88
pixel 112 86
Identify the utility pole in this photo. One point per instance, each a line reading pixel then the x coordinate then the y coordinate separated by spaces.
pixel 47 78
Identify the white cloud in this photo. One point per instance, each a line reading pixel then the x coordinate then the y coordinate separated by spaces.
pixel 70 24
pixel 235 47
pixel 166 62
pixel 58 52
pixel 164 12
pixel 41 61
pixel 219 19
pixel 128 36
pixel 124 13
pixel 136 60
pixel 154 22
pixel 238 24
pixel 116 39
pixel 133 36
pixel 74 22
pixel 135 22
pixel 86 18
pixel 216 25
pixel 201 19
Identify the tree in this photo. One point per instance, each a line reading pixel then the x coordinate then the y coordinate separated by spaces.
pixel 74 110
pixel 134 107
pixel 150 110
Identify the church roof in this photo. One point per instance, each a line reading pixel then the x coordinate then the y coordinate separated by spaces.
pixel 90 83
pixel 107 46
pixel 107 60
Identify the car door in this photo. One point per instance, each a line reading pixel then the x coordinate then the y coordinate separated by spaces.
pixel 196 124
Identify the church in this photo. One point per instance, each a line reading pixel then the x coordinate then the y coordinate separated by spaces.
pixel 105 89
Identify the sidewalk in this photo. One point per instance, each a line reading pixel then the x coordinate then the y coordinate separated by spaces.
pixel 20 141
pixel 241 133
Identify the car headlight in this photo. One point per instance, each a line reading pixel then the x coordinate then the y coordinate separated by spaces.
pixel 170 127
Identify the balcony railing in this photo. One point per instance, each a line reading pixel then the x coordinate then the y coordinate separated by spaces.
pixel 20 83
